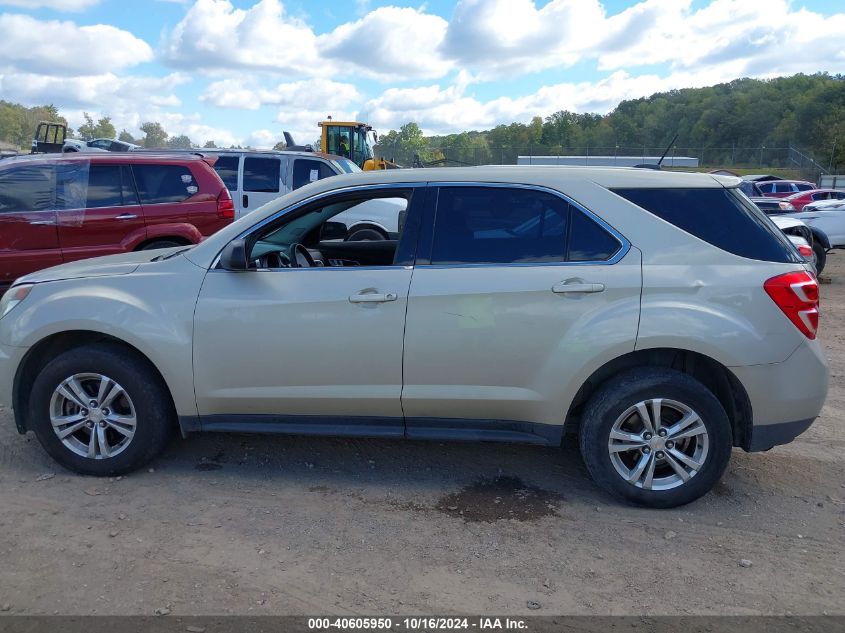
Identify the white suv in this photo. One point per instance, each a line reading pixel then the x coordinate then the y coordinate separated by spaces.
pixel 660 316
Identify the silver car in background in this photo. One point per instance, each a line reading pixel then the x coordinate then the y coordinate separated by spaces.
pixel 659 318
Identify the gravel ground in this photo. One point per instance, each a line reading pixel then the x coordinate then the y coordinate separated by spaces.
pixel 235 524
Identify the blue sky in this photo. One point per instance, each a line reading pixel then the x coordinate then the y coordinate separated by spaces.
pixel 241 71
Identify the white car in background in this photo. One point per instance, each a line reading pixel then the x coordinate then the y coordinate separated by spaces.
pixel 827 215
pixel 98 145
pixel 800 235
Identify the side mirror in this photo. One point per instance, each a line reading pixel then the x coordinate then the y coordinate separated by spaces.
pixel 333 231
pixel 233 256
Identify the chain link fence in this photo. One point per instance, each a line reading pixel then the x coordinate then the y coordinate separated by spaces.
pixel 745 159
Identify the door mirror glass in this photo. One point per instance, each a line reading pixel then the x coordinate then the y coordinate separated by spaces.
pixel 332 231
pixel 233 256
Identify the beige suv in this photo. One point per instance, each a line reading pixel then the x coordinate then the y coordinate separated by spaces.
pixel 661 317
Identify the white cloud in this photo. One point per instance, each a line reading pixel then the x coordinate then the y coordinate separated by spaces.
pixel 515 36
pixel 389 42
pixel 62 48
pixel 263 139
pixel 311 93
pixel 215 36
pixel 56 5
pixel 106 92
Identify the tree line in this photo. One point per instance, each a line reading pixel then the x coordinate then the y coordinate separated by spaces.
pixel 743 122
pixel 18 123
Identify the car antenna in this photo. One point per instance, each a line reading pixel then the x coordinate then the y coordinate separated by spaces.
pixel 659 163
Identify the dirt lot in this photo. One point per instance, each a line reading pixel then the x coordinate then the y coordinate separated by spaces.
pixel 256 525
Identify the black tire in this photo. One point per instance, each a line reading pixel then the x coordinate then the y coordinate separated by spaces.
pixel 625 390
pixel 821 257
pixel 154 412
pixel 365 234
pixel 160 244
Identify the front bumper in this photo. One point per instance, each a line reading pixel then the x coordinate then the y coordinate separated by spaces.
pixel 785 397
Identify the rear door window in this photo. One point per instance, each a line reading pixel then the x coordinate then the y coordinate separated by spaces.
pixel 27 188
pixel 227 168
pixel 159 184
pixel 110 186
pixel 262 175
pixel 306 170
pixel 722 217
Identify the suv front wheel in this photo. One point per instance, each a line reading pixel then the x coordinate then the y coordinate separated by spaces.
pixel 100 410
pixel 656 437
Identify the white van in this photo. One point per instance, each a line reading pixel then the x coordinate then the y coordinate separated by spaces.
pixel 255 177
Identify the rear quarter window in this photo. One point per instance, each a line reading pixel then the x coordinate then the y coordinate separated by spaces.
pixel 722 217
pixel 159 184
pixel 227 168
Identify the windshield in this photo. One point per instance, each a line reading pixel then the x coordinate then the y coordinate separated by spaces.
pixel 346 165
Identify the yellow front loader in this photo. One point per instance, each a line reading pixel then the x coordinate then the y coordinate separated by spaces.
pixel 351 139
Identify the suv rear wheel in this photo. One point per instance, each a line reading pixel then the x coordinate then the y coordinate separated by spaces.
pixel 656 437
pixel 100 411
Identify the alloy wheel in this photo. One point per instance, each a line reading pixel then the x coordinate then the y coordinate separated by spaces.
pixel 93 416
pixel 658 444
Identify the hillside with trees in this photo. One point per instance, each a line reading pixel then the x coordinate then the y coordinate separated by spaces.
pixel 746 121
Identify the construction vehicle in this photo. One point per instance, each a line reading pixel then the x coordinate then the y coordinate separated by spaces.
pixel 351 139
pixel 49 138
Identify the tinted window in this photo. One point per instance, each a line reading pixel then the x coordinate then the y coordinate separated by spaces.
pixel 164 183
pixel 494 225
pixel 589 242
pixel 105 186
pixel 227 168
pixel 784 187
pixel 820 196
pixel 261 174
pixel 306 171
pixel 722 217
pixel 803 186
pixel 767 187
pixel 28 188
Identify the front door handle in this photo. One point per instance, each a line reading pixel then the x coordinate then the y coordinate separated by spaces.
pixel 373 297
pixel 245 200
pixel 564 288
pixel 42 222
pixel 126 216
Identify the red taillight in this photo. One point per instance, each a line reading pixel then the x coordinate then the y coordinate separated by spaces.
pixel 225 206
pixel 806 251
pixel 797 294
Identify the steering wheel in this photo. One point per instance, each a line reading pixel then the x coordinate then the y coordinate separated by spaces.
pixel 300 257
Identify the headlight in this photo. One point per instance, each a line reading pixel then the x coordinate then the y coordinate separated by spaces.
pixel 786 206
pixel 12 298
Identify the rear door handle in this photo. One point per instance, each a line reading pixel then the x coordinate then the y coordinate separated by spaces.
pixel 373 297
pixel 564 288
pixel 245 200
pixel 126 216
pixel 42 222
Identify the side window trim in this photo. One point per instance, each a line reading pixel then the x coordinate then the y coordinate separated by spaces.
pixel 426 241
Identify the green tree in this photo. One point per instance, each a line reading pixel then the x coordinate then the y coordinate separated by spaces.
pixel 179 142
pixel 126 137
pixel 209 144
pixel 103 128
pixel 154 134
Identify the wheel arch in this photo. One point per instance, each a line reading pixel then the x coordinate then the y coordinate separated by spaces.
pixel 51 346
pixel 711 373
pixel 180 240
